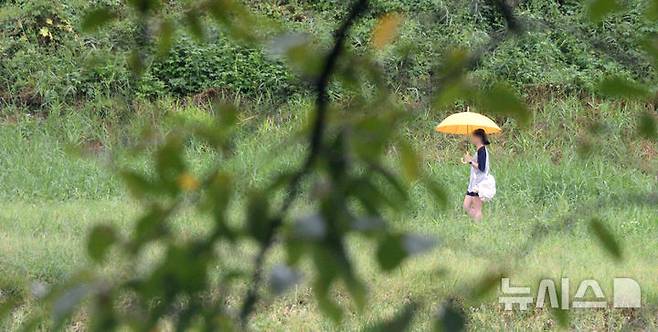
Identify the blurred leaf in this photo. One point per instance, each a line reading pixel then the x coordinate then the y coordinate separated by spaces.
pixel 219 196
pixel 149 227
pixel 187 182
pixel 165 37
pixel 258 221
pixel 650 46
pixel 104 317
pixel 184 266
pixel 145 6
pixel 652 11
pixel 99 242
pixel 371 197
pixel 281 180
pixel 451 318
pixel 337 162
pixel 97 18
pixel 562 317
pixel 332 262
pixel 282 278
pixel 415 244
pixel 236 19
pixel 368 224
pixel 281 45
pixel 294 251
pixel 598 128
pixel 38 289
pixel 393 180
pixel 486 285
pixel 311 227
pixel 452 91
pixel 394 248
pixel 137 184
pixel 599 9
pixel 500 99
pixel 327 271
pixel 193 20
pixel 67 302
pixel 328 306
pixel 437 192
pixel 386 30
pixel 401 321
pixel 227 115
pixel 170 162
pixel 7 306
pixel 606 238
pixel 219 9
pixel 218 133
pixel 619 87
pixel 453 66
pixel 370 136
pixel 230 275
pixel 219 190
pixel 647 126
pixel 305 59
pixel 32 323
pixel 136 62
pixel 585 147
pixel 410 161
pixel 390 252
pixel 356 288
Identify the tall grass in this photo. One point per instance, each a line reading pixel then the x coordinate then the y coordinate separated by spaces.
pixel 536 227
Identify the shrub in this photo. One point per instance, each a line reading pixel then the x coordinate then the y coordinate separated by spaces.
pixel 191 68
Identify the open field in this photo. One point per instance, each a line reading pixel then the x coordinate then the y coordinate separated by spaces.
pixel 272 165
pixel 537 227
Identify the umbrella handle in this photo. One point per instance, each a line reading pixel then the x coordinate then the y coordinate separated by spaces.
pixel 462 158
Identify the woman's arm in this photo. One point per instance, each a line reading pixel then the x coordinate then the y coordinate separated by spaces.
pixel 481 163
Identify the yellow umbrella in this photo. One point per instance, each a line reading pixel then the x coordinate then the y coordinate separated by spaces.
pixel 465 122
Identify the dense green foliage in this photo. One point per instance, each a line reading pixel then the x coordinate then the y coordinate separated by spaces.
pixel 190 68
pixel 48 59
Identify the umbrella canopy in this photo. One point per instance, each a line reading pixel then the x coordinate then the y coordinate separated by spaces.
pixel 465 122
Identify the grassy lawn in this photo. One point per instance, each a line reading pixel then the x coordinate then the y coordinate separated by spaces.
pixel 45 241
pixel 537 227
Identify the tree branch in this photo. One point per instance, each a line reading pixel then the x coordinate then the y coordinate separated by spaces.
pixel 315 149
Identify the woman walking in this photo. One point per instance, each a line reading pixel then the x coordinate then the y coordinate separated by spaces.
pixel 480 185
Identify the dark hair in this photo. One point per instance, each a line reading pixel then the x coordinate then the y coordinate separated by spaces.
pixel 482 135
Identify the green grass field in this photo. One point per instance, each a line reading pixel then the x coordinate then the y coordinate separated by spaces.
pixel 537 226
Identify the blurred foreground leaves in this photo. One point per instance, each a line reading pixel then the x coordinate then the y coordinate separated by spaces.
pixel 599 9
pixel 606 238
pixel 385 30
pixel 348 189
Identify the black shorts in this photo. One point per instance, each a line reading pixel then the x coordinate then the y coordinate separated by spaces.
pixel 472 194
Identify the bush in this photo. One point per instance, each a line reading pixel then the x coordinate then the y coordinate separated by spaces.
pixel 191 68
pixel 46 60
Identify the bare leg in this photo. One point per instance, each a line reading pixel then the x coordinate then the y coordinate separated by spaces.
pixel 476 209
pixel 468 201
